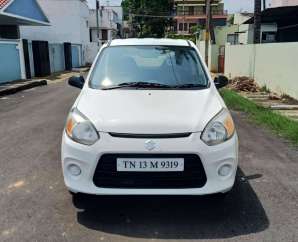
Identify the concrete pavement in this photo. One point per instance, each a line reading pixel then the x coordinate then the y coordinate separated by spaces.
pixel 35 206
pixel 13 87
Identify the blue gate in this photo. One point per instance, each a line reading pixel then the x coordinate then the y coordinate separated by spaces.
pixel 10 68
pixel 75 53
pixel 56 57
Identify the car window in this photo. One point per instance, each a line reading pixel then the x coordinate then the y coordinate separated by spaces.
pixel 168 65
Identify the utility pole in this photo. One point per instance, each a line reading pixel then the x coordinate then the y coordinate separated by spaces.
pixel 97 23
pixel 207 33
pixel 257 22
pixel 264 4
pixel 183 7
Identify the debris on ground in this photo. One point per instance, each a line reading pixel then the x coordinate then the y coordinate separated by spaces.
pixel 288 99
pixel 243 83
pixel 274 96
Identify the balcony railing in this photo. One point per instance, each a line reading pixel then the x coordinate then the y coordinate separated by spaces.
pixel 196 1
pixel 200 13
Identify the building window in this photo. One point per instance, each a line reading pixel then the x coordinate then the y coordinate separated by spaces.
pixel 180 26
pixel 233 39
pixel 9 32
pixel 268 37
pixel 104 33
pixel 191 10
pixel 180 10
pixel 90 35
pixel 185 26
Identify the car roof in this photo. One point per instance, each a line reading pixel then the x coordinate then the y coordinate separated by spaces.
pixel 150 41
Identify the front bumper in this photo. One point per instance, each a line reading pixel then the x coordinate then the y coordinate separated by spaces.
pixel 87 157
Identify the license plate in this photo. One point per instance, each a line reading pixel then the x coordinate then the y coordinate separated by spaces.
pixel 150 164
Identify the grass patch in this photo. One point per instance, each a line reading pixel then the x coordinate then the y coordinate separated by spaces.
pixel 281 125
pixel 265 89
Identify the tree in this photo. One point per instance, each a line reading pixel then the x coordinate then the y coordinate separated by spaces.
pixel 195 29
pixel 149 16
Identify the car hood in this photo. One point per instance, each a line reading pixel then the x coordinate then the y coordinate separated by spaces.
pixel 149 111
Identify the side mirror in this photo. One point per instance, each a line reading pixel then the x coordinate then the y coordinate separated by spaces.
pixel 76 81
pixel 221 81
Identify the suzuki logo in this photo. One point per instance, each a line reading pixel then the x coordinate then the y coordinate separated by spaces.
pixel 150 145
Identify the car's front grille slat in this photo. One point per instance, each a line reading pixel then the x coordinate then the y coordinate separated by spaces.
pixel 106 174
pixel 151 136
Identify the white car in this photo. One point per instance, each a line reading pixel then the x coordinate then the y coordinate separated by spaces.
pixel 149 121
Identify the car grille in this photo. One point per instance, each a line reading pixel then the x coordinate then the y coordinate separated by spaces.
pixel 106 175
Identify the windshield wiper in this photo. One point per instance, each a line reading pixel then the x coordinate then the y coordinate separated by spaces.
pixel 137 84
pixel 190 85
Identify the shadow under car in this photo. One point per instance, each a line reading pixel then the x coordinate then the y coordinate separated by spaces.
pixel 172 217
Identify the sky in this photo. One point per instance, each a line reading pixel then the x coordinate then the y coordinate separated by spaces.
pixel 239 5
pixel 231 5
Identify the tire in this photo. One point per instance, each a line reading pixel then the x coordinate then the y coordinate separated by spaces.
pixel 76 195
pixel 72 193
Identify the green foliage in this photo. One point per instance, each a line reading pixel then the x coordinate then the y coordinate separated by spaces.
pixel 195 29
pixel 148 26
pixel 178 36
pixel 279 124
pixel 264 89
pixel 231 19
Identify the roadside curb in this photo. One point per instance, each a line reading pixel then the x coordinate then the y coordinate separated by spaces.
pixel 21 87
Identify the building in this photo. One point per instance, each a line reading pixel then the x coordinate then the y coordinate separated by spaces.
pixel 14 61
pixel 278 24
pixel 283 3
pixel 193 12
pixel 240 30
pixel 119 19
pixel 236 32
pixel 107 25
pixel 69 24
pixel 13 14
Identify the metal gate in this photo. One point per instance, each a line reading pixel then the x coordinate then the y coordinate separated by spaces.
pixel 221 59
pixel 56 57
pixel 41 58
pixel 76 55
pixel 10 68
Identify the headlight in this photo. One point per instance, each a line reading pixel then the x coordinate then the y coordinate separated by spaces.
pixel 80 129
pixel 219 129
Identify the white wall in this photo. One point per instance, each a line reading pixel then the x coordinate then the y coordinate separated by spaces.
pixel 240 18
pixel 213 59
pixel 246 34
pixel 279 3
pixel 274 65
pixel 213 55
pixel 68 19
pixel 91 52
pixel 201 47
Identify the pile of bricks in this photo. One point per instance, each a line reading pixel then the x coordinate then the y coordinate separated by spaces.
pixel 244 83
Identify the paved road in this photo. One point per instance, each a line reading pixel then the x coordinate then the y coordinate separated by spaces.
pixel 35 206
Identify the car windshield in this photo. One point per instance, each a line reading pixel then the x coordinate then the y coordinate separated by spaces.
pixel 148 67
